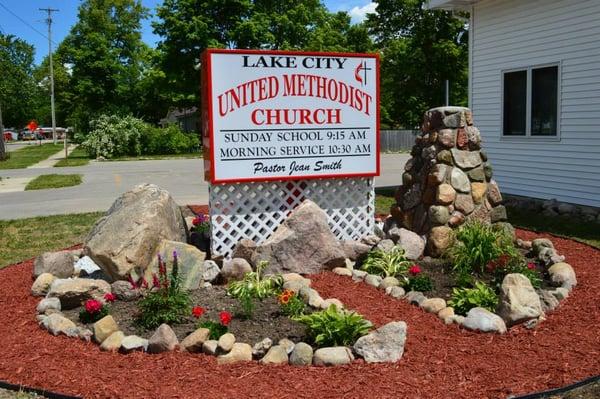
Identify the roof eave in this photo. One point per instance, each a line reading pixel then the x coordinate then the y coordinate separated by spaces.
pixel 460 5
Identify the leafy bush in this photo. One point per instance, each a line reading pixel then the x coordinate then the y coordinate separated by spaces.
pixel 476 245
pixel 291 305
pixel 170 140
pixel 420 283
pixel 465 299
pixel 113 136
pixel 168 302
pixel 386 264
pixel 514 264
pixel 255 285
pixel 334 327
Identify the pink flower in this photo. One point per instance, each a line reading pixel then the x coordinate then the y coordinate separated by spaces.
pixel 109 297
pixel 414 270
pixel 225 318
pixel 93 306
pixel 531 266
pixel 155 281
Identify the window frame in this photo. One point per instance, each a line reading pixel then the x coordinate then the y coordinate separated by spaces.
pixel 528 105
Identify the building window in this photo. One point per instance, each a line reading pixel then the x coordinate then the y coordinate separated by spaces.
pixel 530 105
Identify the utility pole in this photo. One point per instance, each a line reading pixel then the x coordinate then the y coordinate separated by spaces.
pixel 49 22
pixel 2 147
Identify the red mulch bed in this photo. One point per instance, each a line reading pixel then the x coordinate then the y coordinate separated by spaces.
pixel 439 361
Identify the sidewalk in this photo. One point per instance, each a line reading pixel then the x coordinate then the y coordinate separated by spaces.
pixel 53 159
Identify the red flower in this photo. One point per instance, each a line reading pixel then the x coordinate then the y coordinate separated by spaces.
pixel 196 221
pixel 197 311
pixel 414 270
pixel 155 281
pixel 225 318
pixel 134 286
pixel 109 297
pixel 144 283
pixel 531 266
pixel 93 306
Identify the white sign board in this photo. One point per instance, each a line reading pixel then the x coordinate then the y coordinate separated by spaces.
pixel 272 115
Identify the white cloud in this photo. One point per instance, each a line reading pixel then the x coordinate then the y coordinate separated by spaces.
pixel 359 14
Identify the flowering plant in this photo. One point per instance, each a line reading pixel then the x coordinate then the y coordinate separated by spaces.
pixel 93 310
pixel 197 311
pixel 216 329
pixel 417 280
pixel 201 223
pixel 167 302
pixel 110 297
pixel 290 304
pixel 414 270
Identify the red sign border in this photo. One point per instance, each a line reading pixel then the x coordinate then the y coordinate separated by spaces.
pixel 207 113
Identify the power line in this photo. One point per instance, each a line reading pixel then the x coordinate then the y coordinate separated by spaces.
pixel 24 21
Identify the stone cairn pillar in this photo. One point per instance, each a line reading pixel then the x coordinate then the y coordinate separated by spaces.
pixel 447 181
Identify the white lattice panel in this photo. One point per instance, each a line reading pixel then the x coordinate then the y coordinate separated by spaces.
pixel 254 210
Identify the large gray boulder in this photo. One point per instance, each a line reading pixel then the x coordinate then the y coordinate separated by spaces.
pixel 190 261
pixel 129 234
pixel 518 300
pixel 72 292
pixel 386 344
pixel 303 243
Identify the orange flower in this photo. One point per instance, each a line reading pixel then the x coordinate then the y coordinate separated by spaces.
pixel 285 297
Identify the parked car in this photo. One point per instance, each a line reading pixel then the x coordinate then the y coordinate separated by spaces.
pixel 26 134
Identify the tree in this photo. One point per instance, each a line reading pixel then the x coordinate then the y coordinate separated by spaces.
pixel 105 50
pixel 62 90
pixel 421 49
pixel 16 84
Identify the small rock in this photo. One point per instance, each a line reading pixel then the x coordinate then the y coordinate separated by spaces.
pixel 124 291
pixel 563 274
pixel 524 244
pixel 415 297
pixel 539 243
pixel 193 342
pixel 87 266
pixel 73 291
pixel 58 324
pixel 333 356
pixel 235 269
pixel 560 293
pixel 350 264
pixel 133 343
pixel 42 284
pixel 389 282
pixel 358 275
pixel 277 354
pixel 548 301
pixel 48 304
pixel 332 301
pixel 163 340
pixel 85 334
pixel 385 245
pixel 370 239
pixel 240 352
pixel 342 271
pixel 518 300
pixel 293 277
pixel 104 327
pixel 113 342
pixel 460 181
pixel 354 249
pixel 395 292
pixel 210 347
pixel 210 271
pixel 456 319
pixel 483 320
pixel 244 249
pixel 311 297
pixel 446 312
pixel 226 342
pixel 59 264
pixel 296 285
pixel 433 305
pixel 302 355
pixel 260 348
pixel 373 280
pixel 386 344
pixel 440 238
pixel 445 194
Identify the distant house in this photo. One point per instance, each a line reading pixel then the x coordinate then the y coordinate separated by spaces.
pixel 534 88
pixel 187 119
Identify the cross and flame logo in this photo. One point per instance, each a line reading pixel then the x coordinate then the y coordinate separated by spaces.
pixel 362 67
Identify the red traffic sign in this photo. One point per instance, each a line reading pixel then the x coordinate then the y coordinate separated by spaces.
pixel 32 126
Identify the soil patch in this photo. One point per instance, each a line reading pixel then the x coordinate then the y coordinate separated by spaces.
pixel 266 322
pixel 439 362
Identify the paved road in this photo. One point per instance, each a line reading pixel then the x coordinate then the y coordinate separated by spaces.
pixel 103 182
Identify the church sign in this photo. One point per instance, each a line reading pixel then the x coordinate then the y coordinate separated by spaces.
pixel 279 115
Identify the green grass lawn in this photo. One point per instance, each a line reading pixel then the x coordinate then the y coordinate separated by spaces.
pixel 43 182
pixel 26 238
pixel 27 156
pixel 78 157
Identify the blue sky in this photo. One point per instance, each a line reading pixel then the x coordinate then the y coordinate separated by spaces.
pixel 32 27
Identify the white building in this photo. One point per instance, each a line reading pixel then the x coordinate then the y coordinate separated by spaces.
pixel 534 88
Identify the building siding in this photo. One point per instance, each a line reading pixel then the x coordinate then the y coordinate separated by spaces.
pixel 512 34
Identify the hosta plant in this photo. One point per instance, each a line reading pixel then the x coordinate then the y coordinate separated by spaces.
pixel 386 264
pixel 334 327
pixel 167 302
pixel 255 285
pixel 465 299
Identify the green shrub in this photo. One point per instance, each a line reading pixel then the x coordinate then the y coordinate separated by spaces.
pixel 476 245
pixel 515 264
pixel 420 282
pixel 255 285
pixel 334 327
pixel 170 140
pixel 215 329
pixel 386 264
pixel 114 136
pixel 464 299
pixel 168 302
